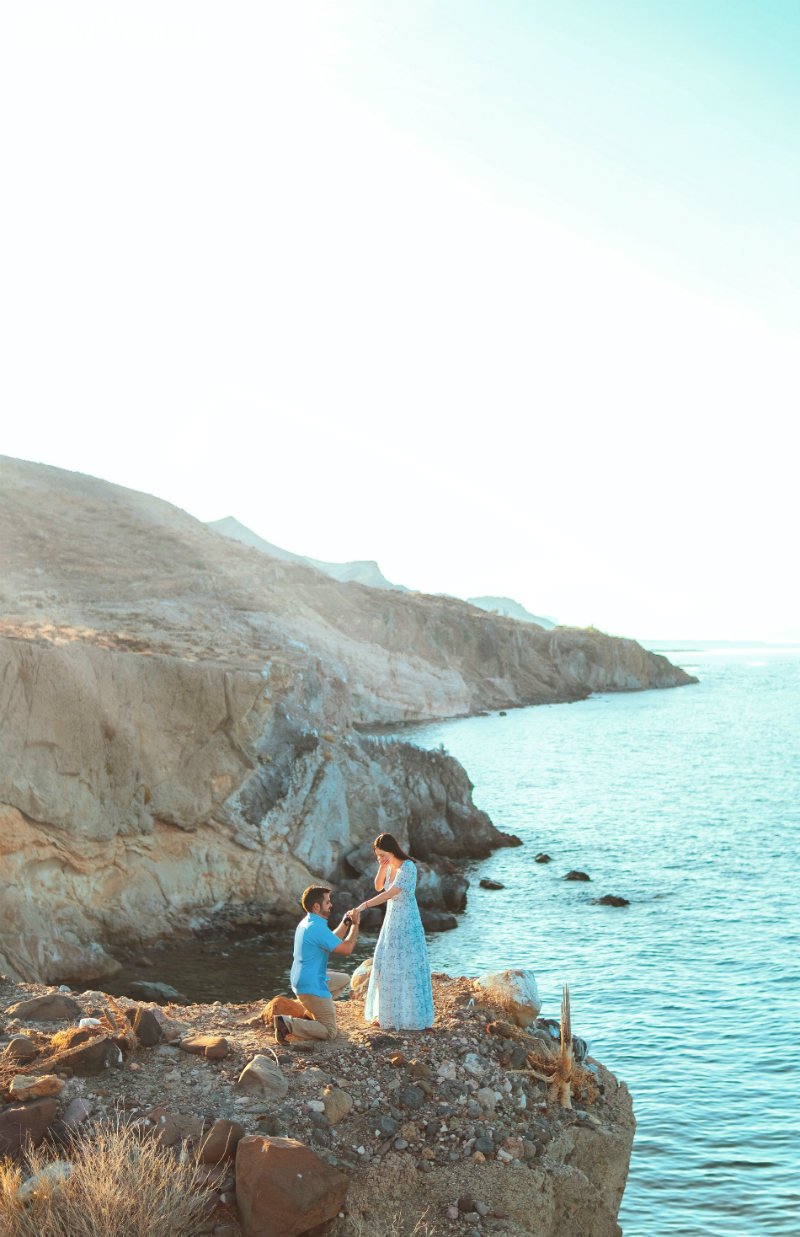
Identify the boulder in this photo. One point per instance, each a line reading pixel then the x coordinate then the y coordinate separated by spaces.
pixel 542 857
pixel 33 1087
pixel 76 1112
pixel 283 1188
pixel 54 1007
pixel 93 1057
pixel 437 921
pixel 146 1026
pixel 359 980
pixel 514 991
pixel 263 1077
pixel 487 883
pixel 574 875
pixel 610 899
pixel 21 1123
pixel 20 1049
pixel 220 1142
pixel 47 1178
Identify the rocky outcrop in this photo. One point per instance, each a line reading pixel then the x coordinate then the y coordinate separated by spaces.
pixel 457 1124
pixel 184 721
pixel 141 794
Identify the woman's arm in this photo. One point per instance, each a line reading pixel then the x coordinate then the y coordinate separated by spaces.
pixel 380 898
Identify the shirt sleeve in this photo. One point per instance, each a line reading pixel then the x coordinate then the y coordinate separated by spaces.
pixel 329 940
pixel 406 877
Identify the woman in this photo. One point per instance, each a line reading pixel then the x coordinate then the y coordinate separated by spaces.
pixel 399 995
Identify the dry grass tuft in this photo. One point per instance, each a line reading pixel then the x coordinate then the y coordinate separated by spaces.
pixel 118 1187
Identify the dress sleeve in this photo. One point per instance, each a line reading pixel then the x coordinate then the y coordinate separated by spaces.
pixel 406 877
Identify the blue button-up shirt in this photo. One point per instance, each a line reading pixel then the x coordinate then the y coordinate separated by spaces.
pixel 313 941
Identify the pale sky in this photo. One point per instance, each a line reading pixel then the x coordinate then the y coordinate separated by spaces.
pixel 501 293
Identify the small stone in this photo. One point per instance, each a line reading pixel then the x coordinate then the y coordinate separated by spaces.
pixel 213 1047
pixel 161 1124
pixel 452 1213
pixel 487 1099
pixel 478 1157
pixel 466 1203
pixel 337 1104
pixel 400 1144
pixel 412 1097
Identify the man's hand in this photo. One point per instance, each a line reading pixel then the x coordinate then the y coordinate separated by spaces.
pixel 355 915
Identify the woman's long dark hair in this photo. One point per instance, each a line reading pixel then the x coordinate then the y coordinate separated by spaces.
pixel 389 843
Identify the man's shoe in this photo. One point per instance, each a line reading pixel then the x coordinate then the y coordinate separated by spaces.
pixel 281 1029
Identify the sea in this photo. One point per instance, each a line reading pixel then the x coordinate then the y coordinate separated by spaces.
pixel 685 802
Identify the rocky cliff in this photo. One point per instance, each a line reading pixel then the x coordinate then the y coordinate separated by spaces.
pixel 183 717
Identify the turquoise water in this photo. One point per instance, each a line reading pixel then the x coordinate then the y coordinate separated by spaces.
pixel 686 802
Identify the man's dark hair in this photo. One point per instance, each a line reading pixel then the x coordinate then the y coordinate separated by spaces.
pixel 314 895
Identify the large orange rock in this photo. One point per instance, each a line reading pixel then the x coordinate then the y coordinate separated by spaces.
pixel 283 1188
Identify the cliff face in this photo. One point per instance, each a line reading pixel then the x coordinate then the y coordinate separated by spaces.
pixel 180 713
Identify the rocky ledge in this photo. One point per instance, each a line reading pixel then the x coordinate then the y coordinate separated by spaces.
pixel 462 1123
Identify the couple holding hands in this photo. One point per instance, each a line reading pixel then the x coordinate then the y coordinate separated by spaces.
pixel 399 995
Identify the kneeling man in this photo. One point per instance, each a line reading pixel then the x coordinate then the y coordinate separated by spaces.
pixel 313 943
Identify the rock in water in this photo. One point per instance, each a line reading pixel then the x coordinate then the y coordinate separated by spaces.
pixel 576 876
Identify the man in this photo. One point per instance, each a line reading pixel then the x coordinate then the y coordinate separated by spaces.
pixel 314 989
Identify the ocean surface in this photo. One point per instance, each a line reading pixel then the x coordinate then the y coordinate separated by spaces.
pixel 687 803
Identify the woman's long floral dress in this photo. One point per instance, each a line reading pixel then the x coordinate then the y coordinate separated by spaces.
pixel 399 993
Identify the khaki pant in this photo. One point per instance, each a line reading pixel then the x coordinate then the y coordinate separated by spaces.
pixel 322 1010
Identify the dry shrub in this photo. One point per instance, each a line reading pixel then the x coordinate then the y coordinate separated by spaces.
pixel 119 1187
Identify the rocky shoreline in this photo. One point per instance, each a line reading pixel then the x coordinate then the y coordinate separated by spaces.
pixel 457 1127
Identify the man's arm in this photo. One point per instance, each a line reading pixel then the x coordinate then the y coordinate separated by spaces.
pixel 349 941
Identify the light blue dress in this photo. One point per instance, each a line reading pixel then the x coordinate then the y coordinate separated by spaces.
pixel 399 993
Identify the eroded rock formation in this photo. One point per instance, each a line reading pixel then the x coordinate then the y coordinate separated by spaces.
pixel 182 716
